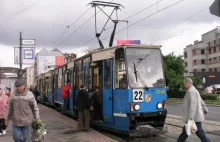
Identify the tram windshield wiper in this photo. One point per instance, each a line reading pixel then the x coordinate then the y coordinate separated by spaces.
pixel 135 72
pixel 137 75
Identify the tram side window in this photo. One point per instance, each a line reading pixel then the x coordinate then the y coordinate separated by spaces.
pixel 78 78
pixel 107 75
pixel 120 70
pixel 60 78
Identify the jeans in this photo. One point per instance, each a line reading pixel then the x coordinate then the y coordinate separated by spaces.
pixel 200 133
pixel 64 106
pixel 2 124
pixel 23 131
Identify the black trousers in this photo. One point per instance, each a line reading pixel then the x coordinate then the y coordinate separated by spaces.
pixel 2 124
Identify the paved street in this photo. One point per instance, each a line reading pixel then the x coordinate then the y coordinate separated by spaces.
pixel 64 130
pixel 176 109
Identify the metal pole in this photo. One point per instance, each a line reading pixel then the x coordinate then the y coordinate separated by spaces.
pixel 20 50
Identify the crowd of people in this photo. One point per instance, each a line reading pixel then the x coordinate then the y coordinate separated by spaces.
pixel 86 105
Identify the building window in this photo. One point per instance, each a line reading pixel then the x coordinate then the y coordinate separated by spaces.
pixel 186 64
pixel 194 52
pixel 210 52
pixel 202 51
pixel 210 61
pixel 209 44
pixel 202 69
pixel 214 41
pixel 186 71
pixel 195 70
pixel 214 49
pixel 203 61
pixel 194 62
pixel 215 69
pixel 185 55
pixel 210 69
pixel 215 59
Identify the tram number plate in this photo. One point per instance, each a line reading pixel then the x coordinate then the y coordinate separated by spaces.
pixel 138 95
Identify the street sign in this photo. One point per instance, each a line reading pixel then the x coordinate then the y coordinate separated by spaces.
pixel 28 55
pixel 28 42
pixel 215 8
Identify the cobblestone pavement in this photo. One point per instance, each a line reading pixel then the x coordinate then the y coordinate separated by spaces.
pixel 61 129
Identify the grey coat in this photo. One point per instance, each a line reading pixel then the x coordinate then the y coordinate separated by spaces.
pixel 22 109
pixel 193 106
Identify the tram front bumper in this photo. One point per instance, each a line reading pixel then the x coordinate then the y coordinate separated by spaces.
pixel 148 114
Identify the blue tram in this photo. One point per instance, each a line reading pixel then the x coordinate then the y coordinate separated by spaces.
pixel 131 84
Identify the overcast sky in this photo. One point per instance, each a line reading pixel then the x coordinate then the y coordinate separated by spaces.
pixel 46 20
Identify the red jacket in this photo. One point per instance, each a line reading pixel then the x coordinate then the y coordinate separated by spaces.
pixel 65 91
pixel 7 94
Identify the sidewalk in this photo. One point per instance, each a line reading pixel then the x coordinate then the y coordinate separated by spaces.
pixel 61 129
pixel 174 124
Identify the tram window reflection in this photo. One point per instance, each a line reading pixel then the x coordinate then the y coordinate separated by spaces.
pixel 107 75
pixel 120 69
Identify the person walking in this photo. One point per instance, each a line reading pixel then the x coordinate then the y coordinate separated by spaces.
pixel 83 107
pixel 3 107
pixel 23 110
pixel 194 108
pixel 65 96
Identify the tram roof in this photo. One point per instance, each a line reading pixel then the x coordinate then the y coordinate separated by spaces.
pixel 108 52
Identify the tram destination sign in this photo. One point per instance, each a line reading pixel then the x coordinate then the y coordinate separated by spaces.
pixel 28 42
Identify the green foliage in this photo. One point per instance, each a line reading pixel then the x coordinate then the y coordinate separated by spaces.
pixel 174 70
pixel 196 80
pixel 181 94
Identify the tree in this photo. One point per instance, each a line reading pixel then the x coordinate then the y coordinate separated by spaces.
pixel 196 80
pixel 174 70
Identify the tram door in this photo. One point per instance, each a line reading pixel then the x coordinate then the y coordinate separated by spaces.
pixel 108 90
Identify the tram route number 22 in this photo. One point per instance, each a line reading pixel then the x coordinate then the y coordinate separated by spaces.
pixel 138 95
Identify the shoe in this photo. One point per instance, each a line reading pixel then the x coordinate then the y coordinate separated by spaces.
pixel 61 116
pixel 0 134
pixel 4 132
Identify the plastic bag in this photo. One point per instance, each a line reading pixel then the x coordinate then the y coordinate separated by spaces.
pixel 190 127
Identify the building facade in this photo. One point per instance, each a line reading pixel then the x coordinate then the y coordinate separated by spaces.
pixel 29 75
pixel 204 55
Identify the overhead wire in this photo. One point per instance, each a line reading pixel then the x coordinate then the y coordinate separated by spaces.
pixel 20 12
pixel 158 11
pixel 80 26
pixel 183 21
pixel 127 19
pixel 70 26
pixel 36 21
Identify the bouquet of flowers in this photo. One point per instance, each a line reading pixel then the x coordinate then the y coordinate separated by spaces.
pixel 38 130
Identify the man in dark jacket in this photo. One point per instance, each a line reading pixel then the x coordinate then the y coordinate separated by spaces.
pixel 96 105
pixel 83 106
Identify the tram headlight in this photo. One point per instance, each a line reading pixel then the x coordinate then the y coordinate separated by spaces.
pixel 137 107
pixel 159 106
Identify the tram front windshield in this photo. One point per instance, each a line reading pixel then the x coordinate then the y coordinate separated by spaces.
pixel 144 68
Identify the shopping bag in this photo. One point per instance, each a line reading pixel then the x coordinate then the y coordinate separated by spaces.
pixel 190 127
pixel 193 126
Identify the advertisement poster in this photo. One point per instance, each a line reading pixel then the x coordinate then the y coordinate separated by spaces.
pixel 47 63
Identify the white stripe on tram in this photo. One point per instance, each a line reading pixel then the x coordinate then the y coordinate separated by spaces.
pixel 120 114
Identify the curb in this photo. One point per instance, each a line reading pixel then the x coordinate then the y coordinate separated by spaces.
pixel 211 105
pixel 205 122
